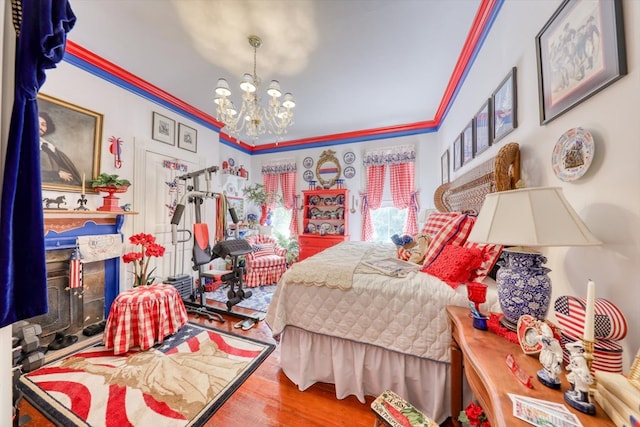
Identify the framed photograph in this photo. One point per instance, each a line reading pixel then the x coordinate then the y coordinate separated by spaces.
pixel 69 144
pixel 238 204
pixel 482 127
pixel 504 107
pixel 580 50
pixel 164 129
pixel 468 143
pixel 444 167
pixel 457 153
pixel 187 137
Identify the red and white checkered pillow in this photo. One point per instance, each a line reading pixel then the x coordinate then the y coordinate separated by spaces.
pixel 454 232
pixel 490 255
pixel 263 249
pixel 436 221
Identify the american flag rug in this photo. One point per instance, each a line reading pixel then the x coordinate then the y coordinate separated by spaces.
pixel 180 382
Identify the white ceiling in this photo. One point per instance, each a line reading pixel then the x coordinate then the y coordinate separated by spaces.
pixel 351 64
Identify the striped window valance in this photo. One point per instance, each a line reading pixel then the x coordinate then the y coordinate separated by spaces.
pixel 390 155
pixel 279 166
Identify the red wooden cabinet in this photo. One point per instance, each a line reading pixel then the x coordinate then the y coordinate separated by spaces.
pixel 325 217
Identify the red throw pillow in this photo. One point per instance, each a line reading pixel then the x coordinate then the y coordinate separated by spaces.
pixel 490 254
pixel 455 264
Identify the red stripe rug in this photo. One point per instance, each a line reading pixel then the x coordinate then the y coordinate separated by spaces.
pixel 180 382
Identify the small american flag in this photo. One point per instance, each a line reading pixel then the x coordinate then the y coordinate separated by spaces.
pixel 75 269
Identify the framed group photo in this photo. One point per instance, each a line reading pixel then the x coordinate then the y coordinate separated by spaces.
pixel 163 129
pixel 70 138
pixel 504 105
pixel 580 51
pixel 187 137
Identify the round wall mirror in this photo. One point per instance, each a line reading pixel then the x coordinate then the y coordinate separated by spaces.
pixel 328 169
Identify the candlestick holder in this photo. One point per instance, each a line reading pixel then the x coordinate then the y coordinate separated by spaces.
pixel 82 201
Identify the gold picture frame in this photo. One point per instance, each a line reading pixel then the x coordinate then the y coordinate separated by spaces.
pixel 70 140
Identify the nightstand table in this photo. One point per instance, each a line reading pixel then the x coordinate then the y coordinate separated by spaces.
pixel 483 355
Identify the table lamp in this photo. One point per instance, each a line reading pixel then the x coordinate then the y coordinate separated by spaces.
pixel 527 218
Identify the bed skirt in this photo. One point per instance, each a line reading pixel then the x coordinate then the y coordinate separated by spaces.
pixel 364 369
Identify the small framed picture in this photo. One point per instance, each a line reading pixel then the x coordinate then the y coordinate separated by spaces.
pixel 482 125
pixel 468 143
pixel 504 106
pixel 187 138
pixel 164 129
pixel 444 167
pixel 457 153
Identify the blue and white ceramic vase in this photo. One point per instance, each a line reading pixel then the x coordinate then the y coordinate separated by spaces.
pixel 523 286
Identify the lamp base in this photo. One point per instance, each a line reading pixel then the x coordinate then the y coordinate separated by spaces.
pixel 513 327
pixel 523 286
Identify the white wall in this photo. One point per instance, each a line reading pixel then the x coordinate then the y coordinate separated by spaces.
pixel 607 197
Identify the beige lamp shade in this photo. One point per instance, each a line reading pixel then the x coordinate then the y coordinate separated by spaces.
pixel 532 217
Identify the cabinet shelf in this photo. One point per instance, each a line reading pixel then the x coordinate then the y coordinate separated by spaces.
pixel 318 207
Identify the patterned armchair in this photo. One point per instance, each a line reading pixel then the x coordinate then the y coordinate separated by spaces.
pixel 266 263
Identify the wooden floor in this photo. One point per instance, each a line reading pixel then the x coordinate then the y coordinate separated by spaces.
pixel 268 398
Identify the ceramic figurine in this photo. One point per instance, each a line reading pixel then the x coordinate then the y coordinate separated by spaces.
pixel 550 357
pixel 580 378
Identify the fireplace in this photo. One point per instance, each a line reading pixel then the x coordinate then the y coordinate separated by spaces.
pixel 71 310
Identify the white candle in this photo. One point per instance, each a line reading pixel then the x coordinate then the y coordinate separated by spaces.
pixel 590 311
pixel 82 182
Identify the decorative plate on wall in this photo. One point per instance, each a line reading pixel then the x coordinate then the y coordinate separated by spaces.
pixel 232 162
pixel 349 172
pixel 307 162
pixel 308 175
pixel 572 154
pixel 349 157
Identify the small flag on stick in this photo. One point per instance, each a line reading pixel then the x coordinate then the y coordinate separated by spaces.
pixel 75 269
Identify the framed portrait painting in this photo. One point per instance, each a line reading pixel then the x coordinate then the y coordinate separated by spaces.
pixel 482 127
pixel 444 167
pixel 457 153
pixel 580 51
pixel 187 137
pixel 468 141
pixel 163 129
pixel 70 138
pixel 504 107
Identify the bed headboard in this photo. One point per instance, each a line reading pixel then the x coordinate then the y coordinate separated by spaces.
pixel 467 192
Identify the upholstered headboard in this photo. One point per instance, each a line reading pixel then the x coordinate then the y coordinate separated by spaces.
pixel 467 192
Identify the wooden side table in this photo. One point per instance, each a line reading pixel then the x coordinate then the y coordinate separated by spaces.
pixel 482 355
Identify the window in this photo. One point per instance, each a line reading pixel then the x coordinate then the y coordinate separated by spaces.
pixel 387 221
pixel 280 221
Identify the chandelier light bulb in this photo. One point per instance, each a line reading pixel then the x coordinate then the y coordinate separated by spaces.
pixel 288 102
pixel 247 84
pixel 274 89
pixel 222 88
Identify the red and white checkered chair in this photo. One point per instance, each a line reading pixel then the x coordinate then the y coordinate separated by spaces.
pixel 267 263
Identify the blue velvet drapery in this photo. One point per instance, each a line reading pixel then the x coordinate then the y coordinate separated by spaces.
pixel 40 45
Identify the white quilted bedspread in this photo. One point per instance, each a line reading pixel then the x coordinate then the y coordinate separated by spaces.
pixel 405 314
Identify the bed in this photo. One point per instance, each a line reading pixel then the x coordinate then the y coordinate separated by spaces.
pixel 364 331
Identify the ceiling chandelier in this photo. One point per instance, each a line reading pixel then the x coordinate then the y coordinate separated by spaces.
pixel 254 119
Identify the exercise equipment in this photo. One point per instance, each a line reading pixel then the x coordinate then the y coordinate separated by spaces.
pixel 203 254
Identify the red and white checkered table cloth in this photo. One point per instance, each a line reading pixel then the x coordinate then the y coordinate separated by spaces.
pixel 143 316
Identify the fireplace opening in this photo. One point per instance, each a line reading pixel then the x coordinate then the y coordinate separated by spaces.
pixel 71 310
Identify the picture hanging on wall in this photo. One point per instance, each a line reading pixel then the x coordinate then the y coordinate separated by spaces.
pixel 468 141
pixel 187 137
pixel 69 144
pixel 164 129
pixel 504 106
pixel 444 167
pixel 567 79
pixel 482 125
pixel 457 153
